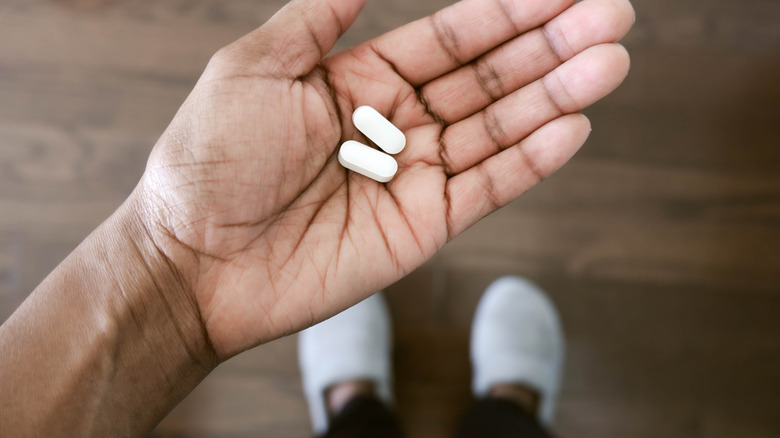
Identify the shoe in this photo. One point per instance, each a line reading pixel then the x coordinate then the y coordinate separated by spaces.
pixel 516 337
pixel 353 345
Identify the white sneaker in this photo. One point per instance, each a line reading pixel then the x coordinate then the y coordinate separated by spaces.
pixel 516 337
pixel 353 345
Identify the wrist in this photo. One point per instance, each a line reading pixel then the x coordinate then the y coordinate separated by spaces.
pixel 107 344
pixel 155 287
pixel 161 347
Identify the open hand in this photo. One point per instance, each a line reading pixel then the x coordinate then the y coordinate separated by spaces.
pixel 244 192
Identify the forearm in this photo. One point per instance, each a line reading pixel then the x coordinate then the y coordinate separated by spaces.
pixel 106 345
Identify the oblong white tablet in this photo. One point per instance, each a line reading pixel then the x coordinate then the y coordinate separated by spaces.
pixel 379 130
pixel 367 161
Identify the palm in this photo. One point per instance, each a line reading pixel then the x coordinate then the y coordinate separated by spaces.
pixel 285 236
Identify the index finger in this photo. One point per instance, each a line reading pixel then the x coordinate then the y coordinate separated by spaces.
pixel 432 46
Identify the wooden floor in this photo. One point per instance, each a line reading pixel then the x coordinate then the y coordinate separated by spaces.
pixel 659 242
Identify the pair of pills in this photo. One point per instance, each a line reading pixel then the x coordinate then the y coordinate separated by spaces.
pixel 366 160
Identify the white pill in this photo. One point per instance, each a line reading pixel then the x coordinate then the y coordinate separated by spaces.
pixel 367 161
pixel 379 130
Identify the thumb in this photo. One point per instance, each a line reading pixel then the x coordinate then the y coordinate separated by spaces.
pixel 297 37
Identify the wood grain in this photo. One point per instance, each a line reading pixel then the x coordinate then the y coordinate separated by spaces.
pixel 658 242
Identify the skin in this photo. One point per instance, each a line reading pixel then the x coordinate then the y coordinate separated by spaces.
pixel 338 396
pixel 244 227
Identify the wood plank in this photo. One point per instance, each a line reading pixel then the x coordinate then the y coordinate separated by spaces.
pixel 658 242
